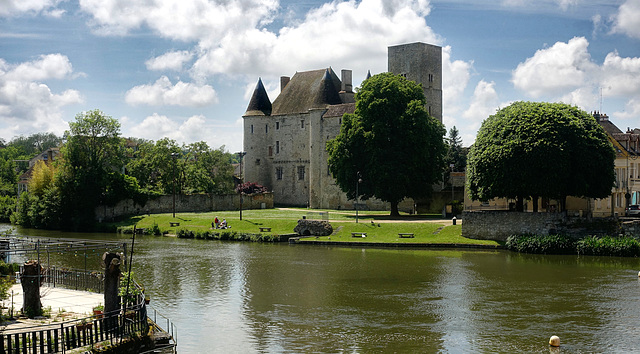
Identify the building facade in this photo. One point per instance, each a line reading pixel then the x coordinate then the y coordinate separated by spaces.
pixel 285 141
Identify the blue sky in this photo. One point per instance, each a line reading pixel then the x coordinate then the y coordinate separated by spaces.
pixel 185 69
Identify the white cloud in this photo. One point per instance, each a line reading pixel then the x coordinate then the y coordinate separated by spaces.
pixel 185 20
pixel 584 97
pixel 26 103
pixel 347 34
pixel 51 66
pixel 620 76
pixel 484 103
pixel 163 92
pixel 455 78
pixel 17 7
pixel 192 129
pixel 169 61
pixel 627 20
pixel 556 69
pixel 631 111
pixel 562 4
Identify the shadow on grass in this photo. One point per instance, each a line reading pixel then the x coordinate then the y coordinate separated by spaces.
pixel 369 217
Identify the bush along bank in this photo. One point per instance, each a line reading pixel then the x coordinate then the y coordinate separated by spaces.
pixel 623 246
pixel 226 236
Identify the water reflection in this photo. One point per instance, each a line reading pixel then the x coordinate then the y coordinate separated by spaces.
pixel 245 297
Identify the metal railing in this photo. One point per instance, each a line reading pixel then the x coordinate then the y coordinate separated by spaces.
pixel 95 331
pixel 109 328
pixel 73 279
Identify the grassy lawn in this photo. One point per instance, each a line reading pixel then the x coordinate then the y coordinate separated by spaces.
pixel 378 226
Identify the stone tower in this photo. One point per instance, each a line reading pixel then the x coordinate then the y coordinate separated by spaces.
pixel 422 63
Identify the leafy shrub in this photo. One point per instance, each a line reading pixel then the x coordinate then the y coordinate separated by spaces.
pixel 251 188
pixel 155 229
pixel 609 246
pixel 548 244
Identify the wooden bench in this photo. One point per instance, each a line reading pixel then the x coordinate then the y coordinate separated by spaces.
pixel 358 234
pixel 265 229
pixel 174 224
pixel 406 235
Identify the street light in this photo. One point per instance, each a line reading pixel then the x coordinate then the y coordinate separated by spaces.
pixel 240 156
pixel 174 156
pixel 357 196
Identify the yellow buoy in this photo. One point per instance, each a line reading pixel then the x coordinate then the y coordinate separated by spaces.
pixel 554 341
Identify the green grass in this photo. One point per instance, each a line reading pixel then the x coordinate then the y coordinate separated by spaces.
pixel 379 226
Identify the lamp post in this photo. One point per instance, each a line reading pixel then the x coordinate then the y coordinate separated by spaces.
pixel 174 156
pixel 240 156
pixel 359 180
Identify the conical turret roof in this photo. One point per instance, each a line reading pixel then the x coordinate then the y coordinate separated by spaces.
pixel 327 95
pixel 259 104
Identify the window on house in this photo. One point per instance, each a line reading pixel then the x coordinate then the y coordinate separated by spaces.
pixel 277 125
pixel 277 147
pixel 301 173
pixel 279 173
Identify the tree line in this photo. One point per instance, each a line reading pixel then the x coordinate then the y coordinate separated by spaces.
pixel 96 166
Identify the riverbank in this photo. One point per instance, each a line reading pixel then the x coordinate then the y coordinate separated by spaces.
pixel 378 227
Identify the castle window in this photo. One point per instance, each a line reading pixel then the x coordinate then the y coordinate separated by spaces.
pixel 279 172
pixel 266 128
pixel 302 124
pixel 430 77
pixel 301 173
pixel 257 161
pixel 277 147
pixel 270 151
pixel 277 125
pixel 251 128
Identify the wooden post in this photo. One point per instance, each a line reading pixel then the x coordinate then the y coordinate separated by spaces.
pixel 111 263
pixel 31 305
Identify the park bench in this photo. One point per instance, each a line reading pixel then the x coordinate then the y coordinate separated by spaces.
pixel 358 234
pixel 174 224
pixel 406 235
pixel 265 229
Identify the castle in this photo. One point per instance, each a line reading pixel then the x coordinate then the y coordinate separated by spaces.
pixel 285 141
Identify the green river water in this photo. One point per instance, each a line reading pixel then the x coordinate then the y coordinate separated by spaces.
pixel 231 297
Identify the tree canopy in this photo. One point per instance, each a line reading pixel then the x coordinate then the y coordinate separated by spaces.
pixel 390 143
pixel 531 150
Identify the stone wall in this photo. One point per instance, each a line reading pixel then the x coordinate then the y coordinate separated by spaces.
pixel 498 225
pixel 186 203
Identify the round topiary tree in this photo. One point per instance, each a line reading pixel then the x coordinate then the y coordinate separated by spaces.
pixel 537 149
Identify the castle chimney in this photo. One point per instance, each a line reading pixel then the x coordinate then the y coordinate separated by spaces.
pixel 284 80
pixel 346 81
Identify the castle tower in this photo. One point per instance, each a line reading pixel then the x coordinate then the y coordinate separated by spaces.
pixel 421 63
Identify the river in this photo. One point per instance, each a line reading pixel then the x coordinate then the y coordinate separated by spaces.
pixel 231 297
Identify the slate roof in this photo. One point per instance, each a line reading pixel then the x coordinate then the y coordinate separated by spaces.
pixel 308 90
pixel 339 110
pixel 259 105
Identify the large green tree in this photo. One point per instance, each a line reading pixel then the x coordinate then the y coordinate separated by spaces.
pixel 94 156
pixel 390 143
pixel 531 150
